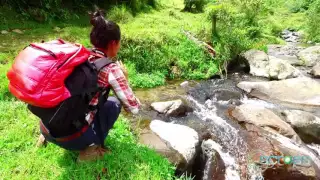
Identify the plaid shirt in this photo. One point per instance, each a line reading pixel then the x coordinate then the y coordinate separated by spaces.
pixel 113 77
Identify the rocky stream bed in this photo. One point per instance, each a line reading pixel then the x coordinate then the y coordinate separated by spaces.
pixel 225 128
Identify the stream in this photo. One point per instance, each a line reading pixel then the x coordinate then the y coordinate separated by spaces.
pixel 211 100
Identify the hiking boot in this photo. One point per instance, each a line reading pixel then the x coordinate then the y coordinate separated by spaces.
pixel 41 141
pixel 92 153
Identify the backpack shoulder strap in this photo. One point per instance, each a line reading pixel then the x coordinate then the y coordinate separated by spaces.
pixel 101 63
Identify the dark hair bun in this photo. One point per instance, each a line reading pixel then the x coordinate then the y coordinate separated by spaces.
pixel 97 17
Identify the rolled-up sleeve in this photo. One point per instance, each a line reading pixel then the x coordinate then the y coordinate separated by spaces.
pixel 122 90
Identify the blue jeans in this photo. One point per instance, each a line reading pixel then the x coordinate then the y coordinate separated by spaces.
pixel 102 123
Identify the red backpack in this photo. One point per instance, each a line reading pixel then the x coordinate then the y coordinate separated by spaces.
pixel 57 82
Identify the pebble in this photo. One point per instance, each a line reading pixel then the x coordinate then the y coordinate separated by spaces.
pixel 184 84
pixel 17 31
pixel 4 32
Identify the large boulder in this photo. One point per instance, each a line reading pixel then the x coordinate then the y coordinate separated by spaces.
pixel 316 70
pixel 280 69
pixel 298 91
pixel 181 138
pixel 264 118
pixel 261 146
pixel 309 56
pixel 287 52
pixel 269 66
pixel 174 108
pixel 306 124
pixel 258 61
pixel 214 167
pixel 153 141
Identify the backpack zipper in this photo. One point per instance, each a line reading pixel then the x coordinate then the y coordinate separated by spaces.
pixel 44 50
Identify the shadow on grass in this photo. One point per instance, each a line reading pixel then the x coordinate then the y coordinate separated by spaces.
pixel 128 160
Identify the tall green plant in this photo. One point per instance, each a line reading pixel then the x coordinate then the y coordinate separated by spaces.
pixel 235 27
pixel 313 21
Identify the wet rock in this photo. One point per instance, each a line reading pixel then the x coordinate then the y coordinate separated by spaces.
pixel 174 108
pixel 184 84
pixel 300 170
pixel 310 56
pixel 153 141
pixel 18 31
pixel 214 168
pixel 291 36
pixel 306 125
pixel 271 67
pixel 264 118
pixel 287 53
pixel 316 70
pixel 299 91
pixel 260 144
pixel 226 95
pixel 181 138
pixel 279 69
pixel 284 50
pixel 4 32
pixel 258 61
pixel 287 49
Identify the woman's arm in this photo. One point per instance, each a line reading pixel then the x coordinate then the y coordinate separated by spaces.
pixel 122 90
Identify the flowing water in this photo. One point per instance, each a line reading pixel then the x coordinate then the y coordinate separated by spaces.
pixel 230 145
pixel 211 100
pixel 210 104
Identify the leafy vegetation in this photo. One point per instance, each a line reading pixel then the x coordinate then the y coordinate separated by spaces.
pixel 240 25
pixel 49 10
pixel 153 45
pixel 313 21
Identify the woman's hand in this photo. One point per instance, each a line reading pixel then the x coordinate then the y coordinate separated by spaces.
pixel 123 68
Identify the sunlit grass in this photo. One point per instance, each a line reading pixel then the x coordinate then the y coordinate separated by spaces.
pixel 21 159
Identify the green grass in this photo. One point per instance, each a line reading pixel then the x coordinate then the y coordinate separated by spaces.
pixel 20 159
pixel 151 42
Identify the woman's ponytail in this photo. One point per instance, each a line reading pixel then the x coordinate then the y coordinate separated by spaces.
pixel 103 31
pixel 97 18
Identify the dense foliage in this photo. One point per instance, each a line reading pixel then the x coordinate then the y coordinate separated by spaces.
pixel 240 25
pixel 313 21
pixel 48 10
pixel 236 26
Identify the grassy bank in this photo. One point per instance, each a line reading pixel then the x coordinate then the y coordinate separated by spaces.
pixel 20 159
pixel 152 43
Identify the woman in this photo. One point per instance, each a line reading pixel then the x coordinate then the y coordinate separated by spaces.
pixel 105 37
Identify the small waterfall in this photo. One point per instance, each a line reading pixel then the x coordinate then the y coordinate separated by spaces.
pixel 257 102
pixel 230 163
pixel 232 148
pixel 315 147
